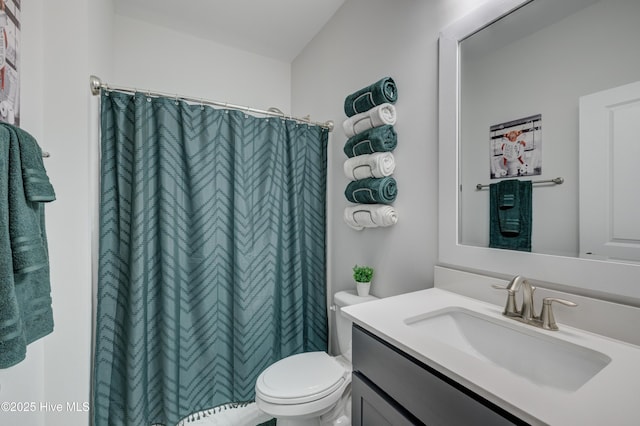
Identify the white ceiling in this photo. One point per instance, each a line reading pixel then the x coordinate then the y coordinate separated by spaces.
pixel 278 29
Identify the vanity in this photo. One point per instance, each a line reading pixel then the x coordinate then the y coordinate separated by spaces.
pixel 391 387
pixel 448 355
pixel 438 357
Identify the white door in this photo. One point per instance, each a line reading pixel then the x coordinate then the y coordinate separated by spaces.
pixel 610 174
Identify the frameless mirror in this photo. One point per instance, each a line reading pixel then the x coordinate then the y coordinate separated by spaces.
pixel 527 66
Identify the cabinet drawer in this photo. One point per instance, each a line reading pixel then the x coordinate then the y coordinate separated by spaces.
pixel 427 394
pixel 372 408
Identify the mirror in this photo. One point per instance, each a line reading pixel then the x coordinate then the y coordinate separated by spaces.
pixel 537 62
pixel 511 59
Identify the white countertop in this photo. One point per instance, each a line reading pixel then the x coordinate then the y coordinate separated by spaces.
pixel 611 397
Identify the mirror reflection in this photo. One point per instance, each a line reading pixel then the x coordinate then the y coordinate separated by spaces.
pixel 525 84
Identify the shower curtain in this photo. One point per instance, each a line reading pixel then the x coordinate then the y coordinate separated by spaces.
pixel 211 255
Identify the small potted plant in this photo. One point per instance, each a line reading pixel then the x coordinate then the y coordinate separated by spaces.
pixel 363 275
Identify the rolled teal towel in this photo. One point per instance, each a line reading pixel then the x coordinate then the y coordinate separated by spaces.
pixel 372 191
pixel 381 92
pixel 377 139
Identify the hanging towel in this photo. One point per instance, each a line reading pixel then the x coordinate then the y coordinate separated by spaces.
pixel 510 215
pixel 372 191
pixel 377 139
pixel 36 182
pixel 380 92
pixel 508 201
pixel 370 216
pixel 375 117
pixel 378 165
pixel 25 294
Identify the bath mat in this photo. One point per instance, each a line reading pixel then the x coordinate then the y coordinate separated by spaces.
pixel 232 414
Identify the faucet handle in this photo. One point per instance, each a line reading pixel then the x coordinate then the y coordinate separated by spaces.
pixel 548 321
pixel 510 308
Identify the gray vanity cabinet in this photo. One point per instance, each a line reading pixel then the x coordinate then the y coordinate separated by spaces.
pixel 392 388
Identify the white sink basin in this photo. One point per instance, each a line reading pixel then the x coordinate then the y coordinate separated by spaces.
pixel 528 353
pixel 564 377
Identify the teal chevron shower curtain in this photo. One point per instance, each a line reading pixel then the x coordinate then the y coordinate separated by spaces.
pixel 211 257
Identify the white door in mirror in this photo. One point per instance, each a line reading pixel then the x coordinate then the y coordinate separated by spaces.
pixel 609 158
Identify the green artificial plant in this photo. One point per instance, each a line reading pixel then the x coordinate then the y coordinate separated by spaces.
pixel 362 274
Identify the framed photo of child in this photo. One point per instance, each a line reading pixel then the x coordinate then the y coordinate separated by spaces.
pixel 9 61
pixel 516 148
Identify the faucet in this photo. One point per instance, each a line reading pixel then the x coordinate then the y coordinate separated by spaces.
pixel 526 312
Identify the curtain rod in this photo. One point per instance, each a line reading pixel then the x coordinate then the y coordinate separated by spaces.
pixel 97 85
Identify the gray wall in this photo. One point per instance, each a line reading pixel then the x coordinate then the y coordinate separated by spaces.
pixel 365 41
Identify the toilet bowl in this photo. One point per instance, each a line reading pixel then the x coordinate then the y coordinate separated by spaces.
pixel 312 388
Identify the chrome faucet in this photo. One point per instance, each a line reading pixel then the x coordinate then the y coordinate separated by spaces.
pixel 526 312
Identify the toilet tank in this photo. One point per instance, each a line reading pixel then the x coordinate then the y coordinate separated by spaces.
pixel 343 324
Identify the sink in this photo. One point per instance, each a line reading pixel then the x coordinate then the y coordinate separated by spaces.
pixel 533 355
pixel 566 377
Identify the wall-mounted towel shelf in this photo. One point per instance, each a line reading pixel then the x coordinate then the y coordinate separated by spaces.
pixel 557 181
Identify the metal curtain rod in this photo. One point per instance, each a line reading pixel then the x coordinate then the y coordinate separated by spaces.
pixel 97 85
pixel 557 181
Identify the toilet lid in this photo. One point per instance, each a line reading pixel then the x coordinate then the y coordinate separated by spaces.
pixel 301 378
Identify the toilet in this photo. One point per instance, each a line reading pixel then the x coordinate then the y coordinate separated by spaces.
pixel 312 388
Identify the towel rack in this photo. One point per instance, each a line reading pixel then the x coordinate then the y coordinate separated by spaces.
pixel 45 154
pixel 557 181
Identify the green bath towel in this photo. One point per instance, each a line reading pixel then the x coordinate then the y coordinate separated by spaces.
pixel 372 191
pixel 36 182
pixel 508 201
pixel 25 294
pixel 510 215
pixel 381 92
pixel 377 139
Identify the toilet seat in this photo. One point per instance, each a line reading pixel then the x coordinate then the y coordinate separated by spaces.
pixel 301 379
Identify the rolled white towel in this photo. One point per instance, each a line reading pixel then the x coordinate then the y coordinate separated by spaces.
pixel 361 216
pixel 375 117
pixel 378 164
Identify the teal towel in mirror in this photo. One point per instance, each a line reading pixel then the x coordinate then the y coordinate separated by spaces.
pixel 381 92
pixel 510 215
pixel 376 139
pixel 372 191
pixel 507 193
pixel 509 207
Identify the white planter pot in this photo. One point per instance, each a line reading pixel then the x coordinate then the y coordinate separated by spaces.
pixel 363 288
